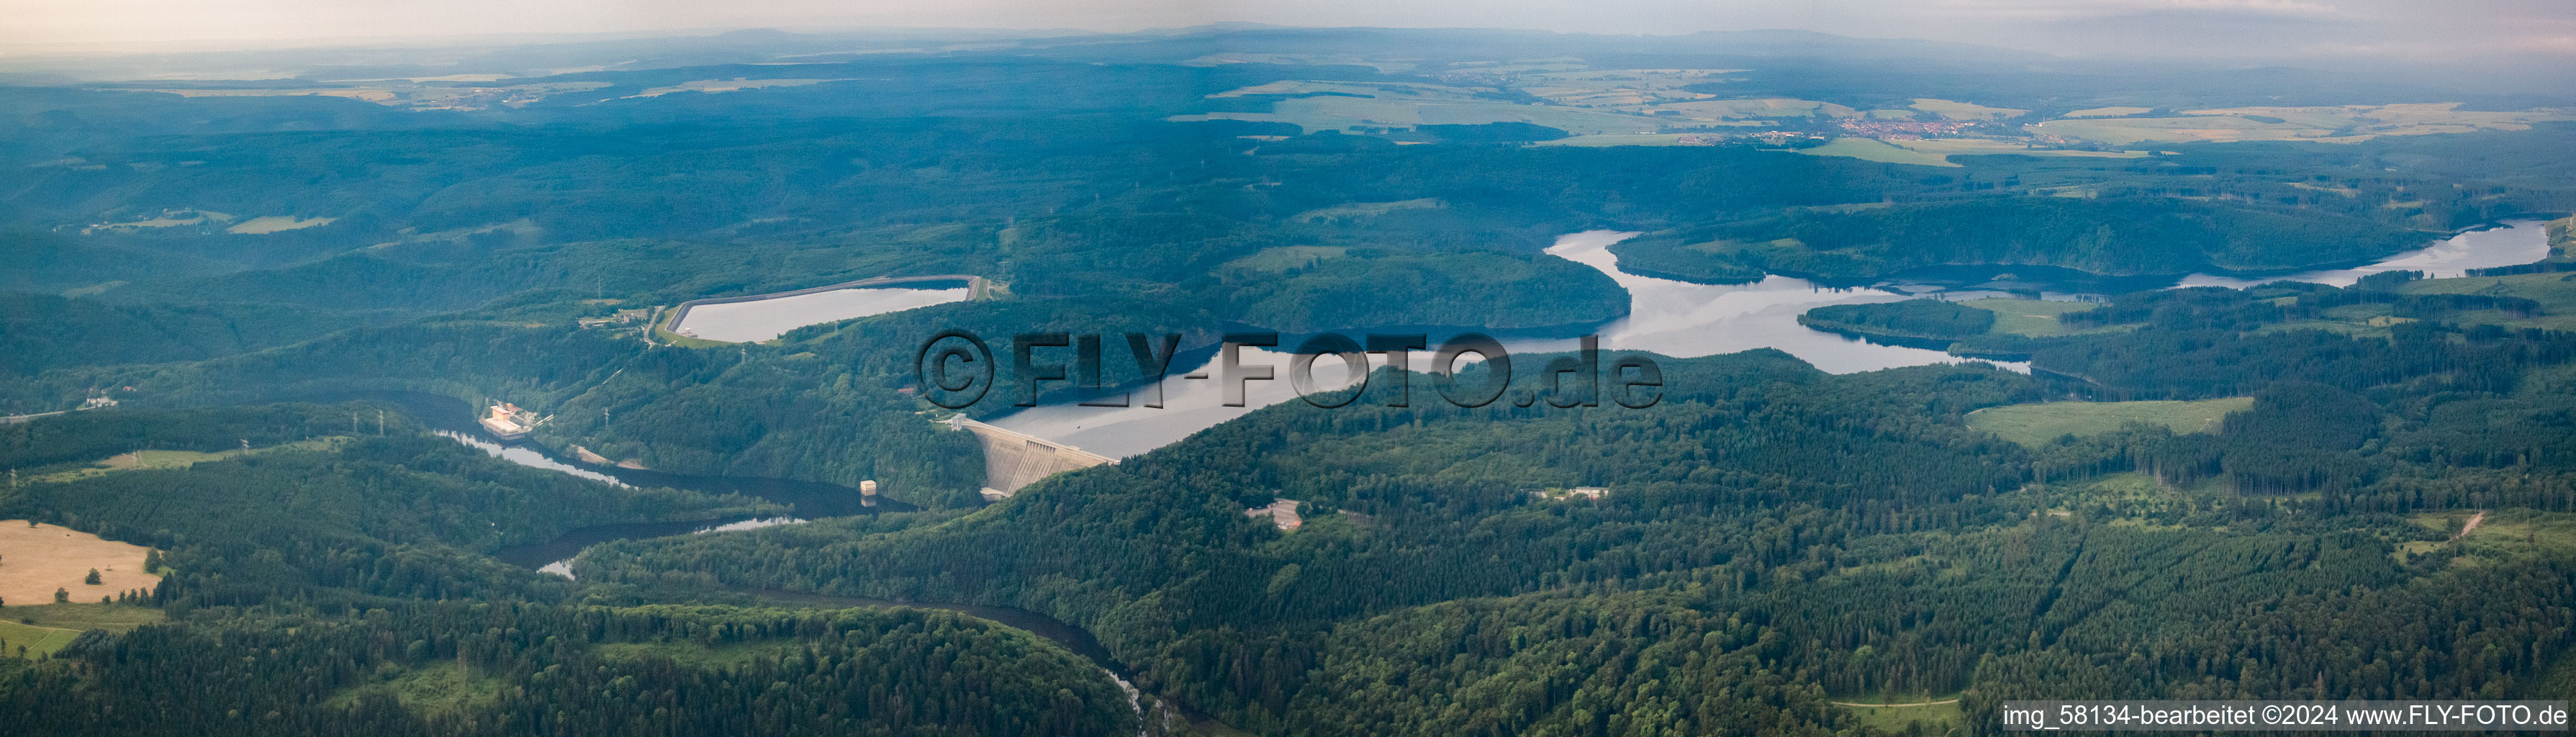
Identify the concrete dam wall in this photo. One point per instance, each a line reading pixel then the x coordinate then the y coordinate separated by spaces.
pixel 1013 460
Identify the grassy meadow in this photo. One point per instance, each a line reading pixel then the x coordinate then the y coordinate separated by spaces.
pixel 2040 424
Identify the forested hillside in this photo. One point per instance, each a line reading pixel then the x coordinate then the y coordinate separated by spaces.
pixel 1745 517
pixel 504 669
pixel 2099 236
pixel 342 585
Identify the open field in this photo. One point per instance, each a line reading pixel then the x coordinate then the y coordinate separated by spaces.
pixel 161 459
pixel 2108 112
pixel 1763 108
pixel 1619 86
pixel 2040 424
pixel 167 219
pixel 275 223
pixel 1945 147
pixel 2556 293
pixel 1871 149
pixel 2219 128
pixel 1938 714
pixel 1366 209
pixel 32 641
pixel 1955 110
pixel 433 688
pixel 2345 124
pixel 2030 317
pixel 36 560
pixel 45 628
pixel 2499 534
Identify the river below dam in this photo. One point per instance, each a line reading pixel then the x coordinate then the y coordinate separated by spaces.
pixel 451 418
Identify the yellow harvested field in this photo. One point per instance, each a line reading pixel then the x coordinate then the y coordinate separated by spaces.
pixel 2108 112
pixel 34 561
pixel 1963 110
pixel 275 223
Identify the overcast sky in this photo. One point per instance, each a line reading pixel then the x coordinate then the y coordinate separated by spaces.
pixel 2445 30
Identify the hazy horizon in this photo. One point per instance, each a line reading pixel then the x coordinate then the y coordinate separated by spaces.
pixel 2449 33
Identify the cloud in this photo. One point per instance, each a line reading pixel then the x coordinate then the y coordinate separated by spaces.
pixel 2072 9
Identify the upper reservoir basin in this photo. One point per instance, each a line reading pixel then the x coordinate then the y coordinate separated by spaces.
pixel 763 319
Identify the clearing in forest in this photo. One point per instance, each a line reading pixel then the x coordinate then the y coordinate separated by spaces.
pixel 2041 424
pixel 1871 149
pixel 36 560
pixel 45 628
pixel 2032 317
pixel 1891 714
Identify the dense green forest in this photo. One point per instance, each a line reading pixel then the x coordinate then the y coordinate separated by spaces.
pixel 504 669
pixel 46 331
pixel 2101 236
pixel 342 585
pixel 1749 510
pixel 1931 320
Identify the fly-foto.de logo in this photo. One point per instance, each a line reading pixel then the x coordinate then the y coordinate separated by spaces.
pixel 957 368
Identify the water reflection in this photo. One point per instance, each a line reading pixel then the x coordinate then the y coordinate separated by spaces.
pixel 525 456
pixel 453 419
pixel 1668 317
pixel 1684 320
pixel 555 556
pixel 2514 243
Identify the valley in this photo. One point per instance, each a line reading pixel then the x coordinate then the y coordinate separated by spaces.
pixel 1979 374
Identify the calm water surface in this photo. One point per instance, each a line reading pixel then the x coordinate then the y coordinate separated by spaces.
pixel 2514 243
pixel 1667 317
pixel 746 322
pixel 1684 320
